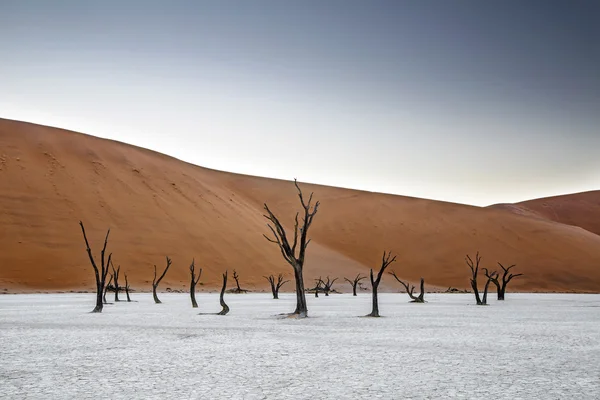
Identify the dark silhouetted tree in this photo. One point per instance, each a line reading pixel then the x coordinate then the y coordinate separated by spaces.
pixel 101 273
pixel 127 288
pixel 193 282
pixel 155 281
pixel 355 282
pixel 106 289
pixel 410 289
pixel 224 306
pixel 115 275
pixel 288 251
pixel 386 260
pixel 275 286
pixel 237 289
pixel 328 285
pixel 474 266
pixel 506 277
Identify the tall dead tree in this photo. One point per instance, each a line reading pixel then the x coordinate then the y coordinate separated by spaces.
pixel 193 282
pixel 127 288
pixel 101 273
pixel 327 285
pixel 386 260
pixel 225 308
pixel 410 289
pixel 474 266
pixel 275 286
pixel 155 281
pixel 288 251
pixel 355 283
pixel 491 276
pixel 506 277
pixel 115 275
pixel 106 289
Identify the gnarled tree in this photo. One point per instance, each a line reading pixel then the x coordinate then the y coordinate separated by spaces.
pixel 491 276
pixel 101 273
pixel 106 289
pixel 386 260
pixel 237 289
pixel 224 306
pixel 318 286
pixel 127 288
pixel 410 289
pixel 474 266
pixel 193 282
pixel 288 251
pixel 506 277
pixel 155 281
pixel 355 283
pixel 328 285
pixel 275 286
pixel 115 275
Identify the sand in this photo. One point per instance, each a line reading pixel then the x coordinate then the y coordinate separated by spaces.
pixel 159 206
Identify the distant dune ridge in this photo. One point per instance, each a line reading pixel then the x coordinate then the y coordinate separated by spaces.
pixel 159 206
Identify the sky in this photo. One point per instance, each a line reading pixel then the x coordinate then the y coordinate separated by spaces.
pixel 475 102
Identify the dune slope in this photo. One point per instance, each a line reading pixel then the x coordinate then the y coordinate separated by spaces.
pixel 156 205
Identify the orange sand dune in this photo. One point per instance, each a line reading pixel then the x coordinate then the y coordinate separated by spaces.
pixel 156 205
pixel 580 209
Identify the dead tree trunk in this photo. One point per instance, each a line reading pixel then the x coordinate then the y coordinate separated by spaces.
pixel 115 275
pixel 106 289
pixel 289 251
pixel 355 283
pixel 238 289
pixel 225 309
pixel 155 281
pixel 275 286
pixel 474 266
pixel 506 277
pixel 385 262
pixel 100 274
pixel 327 285
pixel 127 288
pixel 194 282
pixel 491 277
pixel 318 283
pixel 410 289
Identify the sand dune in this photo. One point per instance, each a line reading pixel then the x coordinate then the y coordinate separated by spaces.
pixel 157 206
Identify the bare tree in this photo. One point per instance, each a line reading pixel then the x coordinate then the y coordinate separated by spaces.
pixel 491 276
pixel 127 288
pixel 386 260
pixel 100 274
pixel 238 289
pixel 410 289
pixel 115 275
pixel 193 282
pixel 318 286
pixel 506 277
pixel 275 286
pixel 225 308
pixel 106 289
pixel 289 251
pixel 155 281
pixel 327 285
pixel 355 283
pixel 474 266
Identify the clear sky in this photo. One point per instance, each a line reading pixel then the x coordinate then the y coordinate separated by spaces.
pixel 475 102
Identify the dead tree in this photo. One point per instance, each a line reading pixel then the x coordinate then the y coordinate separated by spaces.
pixel 410 289
pixel 115 275
pixel 491 276
pixel 506 277
pixel 318 283
pixel 100 274
pixel 237 289
pixel 127 288
pixel 106 289
pixel 155 281
pixel 225 309
pixel 386 260
pixel 327 285
pixel 224 306
pixel 275 286
pixel 355 283
pixel 288 251
pixel 194 282
pixel 474 266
